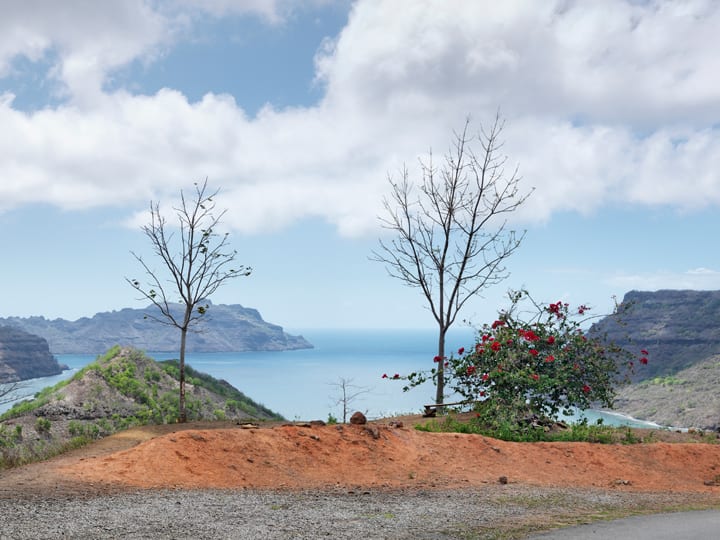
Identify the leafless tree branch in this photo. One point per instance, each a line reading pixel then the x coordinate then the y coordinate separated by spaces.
pixel 195 263
pixel 450 232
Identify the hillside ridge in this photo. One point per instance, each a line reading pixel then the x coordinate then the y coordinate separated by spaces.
pixel 121 389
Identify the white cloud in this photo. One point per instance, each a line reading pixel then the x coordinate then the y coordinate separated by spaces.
pixel 695 279
pixel 85 40
pixel 605 102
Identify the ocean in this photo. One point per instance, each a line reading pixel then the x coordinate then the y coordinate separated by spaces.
pixel 304 384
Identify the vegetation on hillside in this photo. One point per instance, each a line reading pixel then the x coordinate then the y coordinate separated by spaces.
pixel 581 431
pixel 121 389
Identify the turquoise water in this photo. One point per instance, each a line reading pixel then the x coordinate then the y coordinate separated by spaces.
pixel 302 384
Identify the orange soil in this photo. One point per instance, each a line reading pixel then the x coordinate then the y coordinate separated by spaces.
pixel 350 457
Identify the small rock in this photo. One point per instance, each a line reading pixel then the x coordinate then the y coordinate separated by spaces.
pixel 503 480
pixel 396 424
pixel 317 423
pixel 358 419
pixel 622 482
pixel 372 430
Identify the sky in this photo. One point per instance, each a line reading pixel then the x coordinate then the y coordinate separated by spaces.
pixel 299 111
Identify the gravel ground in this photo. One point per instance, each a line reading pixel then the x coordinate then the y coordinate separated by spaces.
pixel 492 512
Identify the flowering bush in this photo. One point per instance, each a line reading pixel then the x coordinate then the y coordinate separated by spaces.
pixel 535 368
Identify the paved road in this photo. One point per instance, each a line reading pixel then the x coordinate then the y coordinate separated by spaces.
pixel 675 526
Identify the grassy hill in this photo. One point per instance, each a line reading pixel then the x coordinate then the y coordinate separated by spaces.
pixel 121 389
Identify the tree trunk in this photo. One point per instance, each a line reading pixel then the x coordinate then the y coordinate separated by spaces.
pixel 183 413
pixel 440 386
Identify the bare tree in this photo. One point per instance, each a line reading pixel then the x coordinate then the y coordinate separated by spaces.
pixel 451 237
pixel 195 264
pixel 12 391
pixel 347 394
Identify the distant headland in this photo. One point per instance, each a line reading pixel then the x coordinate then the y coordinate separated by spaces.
pixel 224 328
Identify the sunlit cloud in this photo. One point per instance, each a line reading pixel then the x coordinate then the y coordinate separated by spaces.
pixel 608 103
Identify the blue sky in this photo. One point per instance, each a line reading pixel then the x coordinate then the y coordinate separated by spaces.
pixel 299 110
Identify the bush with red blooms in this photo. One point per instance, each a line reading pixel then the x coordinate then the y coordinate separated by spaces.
pixel 534 364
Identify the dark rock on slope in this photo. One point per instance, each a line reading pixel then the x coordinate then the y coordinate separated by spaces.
pixel 24 356
pixel 225 328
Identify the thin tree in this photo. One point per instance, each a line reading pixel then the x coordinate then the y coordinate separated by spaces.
pixel 347 394
pixel 450 232
pixel 195 264
pixel 12 391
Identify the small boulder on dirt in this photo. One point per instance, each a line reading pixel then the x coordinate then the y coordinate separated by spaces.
pixel 358 419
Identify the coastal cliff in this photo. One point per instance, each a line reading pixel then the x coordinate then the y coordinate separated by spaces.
pixel 25 356
pixel 679 329
pixel 224 328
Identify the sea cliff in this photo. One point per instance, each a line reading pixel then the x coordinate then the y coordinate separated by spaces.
pixel 25 356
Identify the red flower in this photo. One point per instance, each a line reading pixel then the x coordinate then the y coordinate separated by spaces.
pixel 437 359
pixel 446 364
pixel 384 376
pixel 556 309
pixel 550 358
pixel 495 346
pixel 461 350
pixel 485 338
pixel 528 335
pixel 582 309
pixel 644 352
pixel 534 352
pixel 586 389
pixel 485 377
pixel 534 376
pixel 497 323
pixel 396 376
pixel 479 349
pixel 509 342
pixel 644 361
pixel 551 340
pixel 482 394
pixel 471 370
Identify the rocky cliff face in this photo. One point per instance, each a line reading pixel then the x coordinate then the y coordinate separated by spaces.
pixel 224 328
pixel 24 356
pixel 678 328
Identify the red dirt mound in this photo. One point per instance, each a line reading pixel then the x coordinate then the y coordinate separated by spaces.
pixel 380 456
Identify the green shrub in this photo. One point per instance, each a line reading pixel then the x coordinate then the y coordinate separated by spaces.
pixel 42 425
pixel 534 361
pixel 509 431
